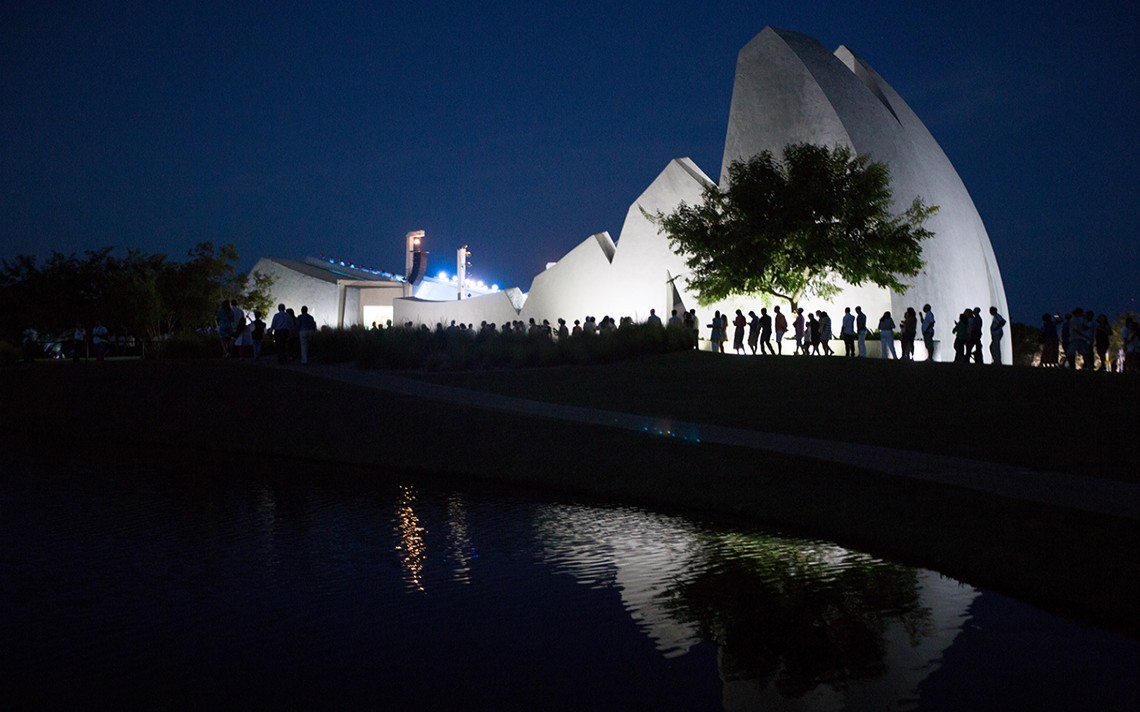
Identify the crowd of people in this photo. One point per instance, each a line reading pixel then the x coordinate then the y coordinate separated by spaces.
pixel 1081 340
pixel 242 337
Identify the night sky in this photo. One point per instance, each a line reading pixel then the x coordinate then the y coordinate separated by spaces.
pixel 520 128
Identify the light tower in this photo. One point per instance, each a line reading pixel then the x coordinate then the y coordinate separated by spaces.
pixel 415 261
pixel 461 265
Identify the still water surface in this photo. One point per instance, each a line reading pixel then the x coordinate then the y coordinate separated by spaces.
pixel 239 584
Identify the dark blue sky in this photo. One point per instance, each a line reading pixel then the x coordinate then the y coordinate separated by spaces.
pixel 293 129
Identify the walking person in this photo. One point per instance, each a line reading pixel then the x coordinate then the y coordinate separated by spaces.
pixel 282 327
pixel 306 327
pixel 847 331
pixel 861 331
pixel 928 331
pixel 908 331
pixel 753 331
pixel 765 333
pixel 997 330
pixel 813 331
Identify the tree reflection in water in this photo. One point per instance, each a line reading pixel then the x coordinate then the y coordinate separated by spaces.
pixel 796 615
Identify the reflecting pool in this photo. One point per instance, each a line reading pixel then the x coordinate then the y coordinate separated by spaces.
pixel 241 583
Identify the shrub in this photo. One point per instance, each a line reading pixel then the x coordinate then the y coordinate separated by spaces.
pixel 187 346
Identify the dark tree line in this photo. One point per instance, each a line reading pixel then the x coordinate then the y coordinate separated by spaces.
pixel 146 295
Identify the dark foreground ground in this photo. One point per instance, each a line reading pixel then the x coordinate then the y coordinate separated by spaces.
pixel 1078 564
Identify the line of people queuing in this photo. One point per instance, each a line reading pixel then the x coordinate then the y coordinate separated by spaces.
pixel 813 334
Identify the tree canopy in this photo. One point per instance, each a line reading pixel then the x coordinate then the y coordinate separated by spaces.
pixel 143 294
pixel 792 227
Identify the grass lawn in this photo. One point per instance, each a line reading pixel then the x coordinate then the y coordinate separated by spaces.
pixel 1078 564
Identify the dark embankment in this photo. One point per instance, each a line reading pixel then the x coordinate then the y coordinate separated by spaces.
pixel 1077 564
pixel 1050 419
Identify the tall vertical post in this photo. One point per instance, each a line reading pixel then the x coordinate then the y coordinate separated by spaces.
pixel 461 265
pixel 414 238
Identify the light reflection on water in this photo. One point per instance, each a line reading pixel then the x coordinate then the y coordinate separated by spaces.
pixel 153 584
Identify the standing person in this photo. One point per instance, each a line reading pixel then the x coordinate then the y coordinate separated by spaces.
pixel 674 320
pixel 861 331
pixel 31 343
pixel 281 326
pixel 224 321
pixel 306 327
pixel 257 334
pixel 294 345
pixel 887 336
pixel 962 337
pixel 847 331
pixel 781 325
pixel 1048 339
pixel 693 323
pixel 813 334
pixel 738 334
pixel 975 343
pixel 1090 339
pixel 243 341
pixel 997 330
pixel 1100 337
pixel 1130 339
pixel 1077 345
pixel 79 341
pixel 100 340
pixel 908 331
pixel 753 331
pixel 928 331
pixel 766 333
pixel 825 332
pixel 1066 333
pixel 798 325
pixel 715 332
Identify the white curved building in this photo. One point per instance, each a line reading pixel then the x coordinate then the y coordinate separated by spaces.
pixel 788 89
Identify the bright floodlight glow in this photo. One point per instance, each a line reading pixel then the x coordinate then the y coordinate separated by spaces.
pixel 494 287
pixel 442 276
pixel 481 284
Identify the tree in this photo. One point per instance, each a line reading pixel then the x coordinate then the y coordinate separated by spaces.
pixel 791 228
pixel 258 296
